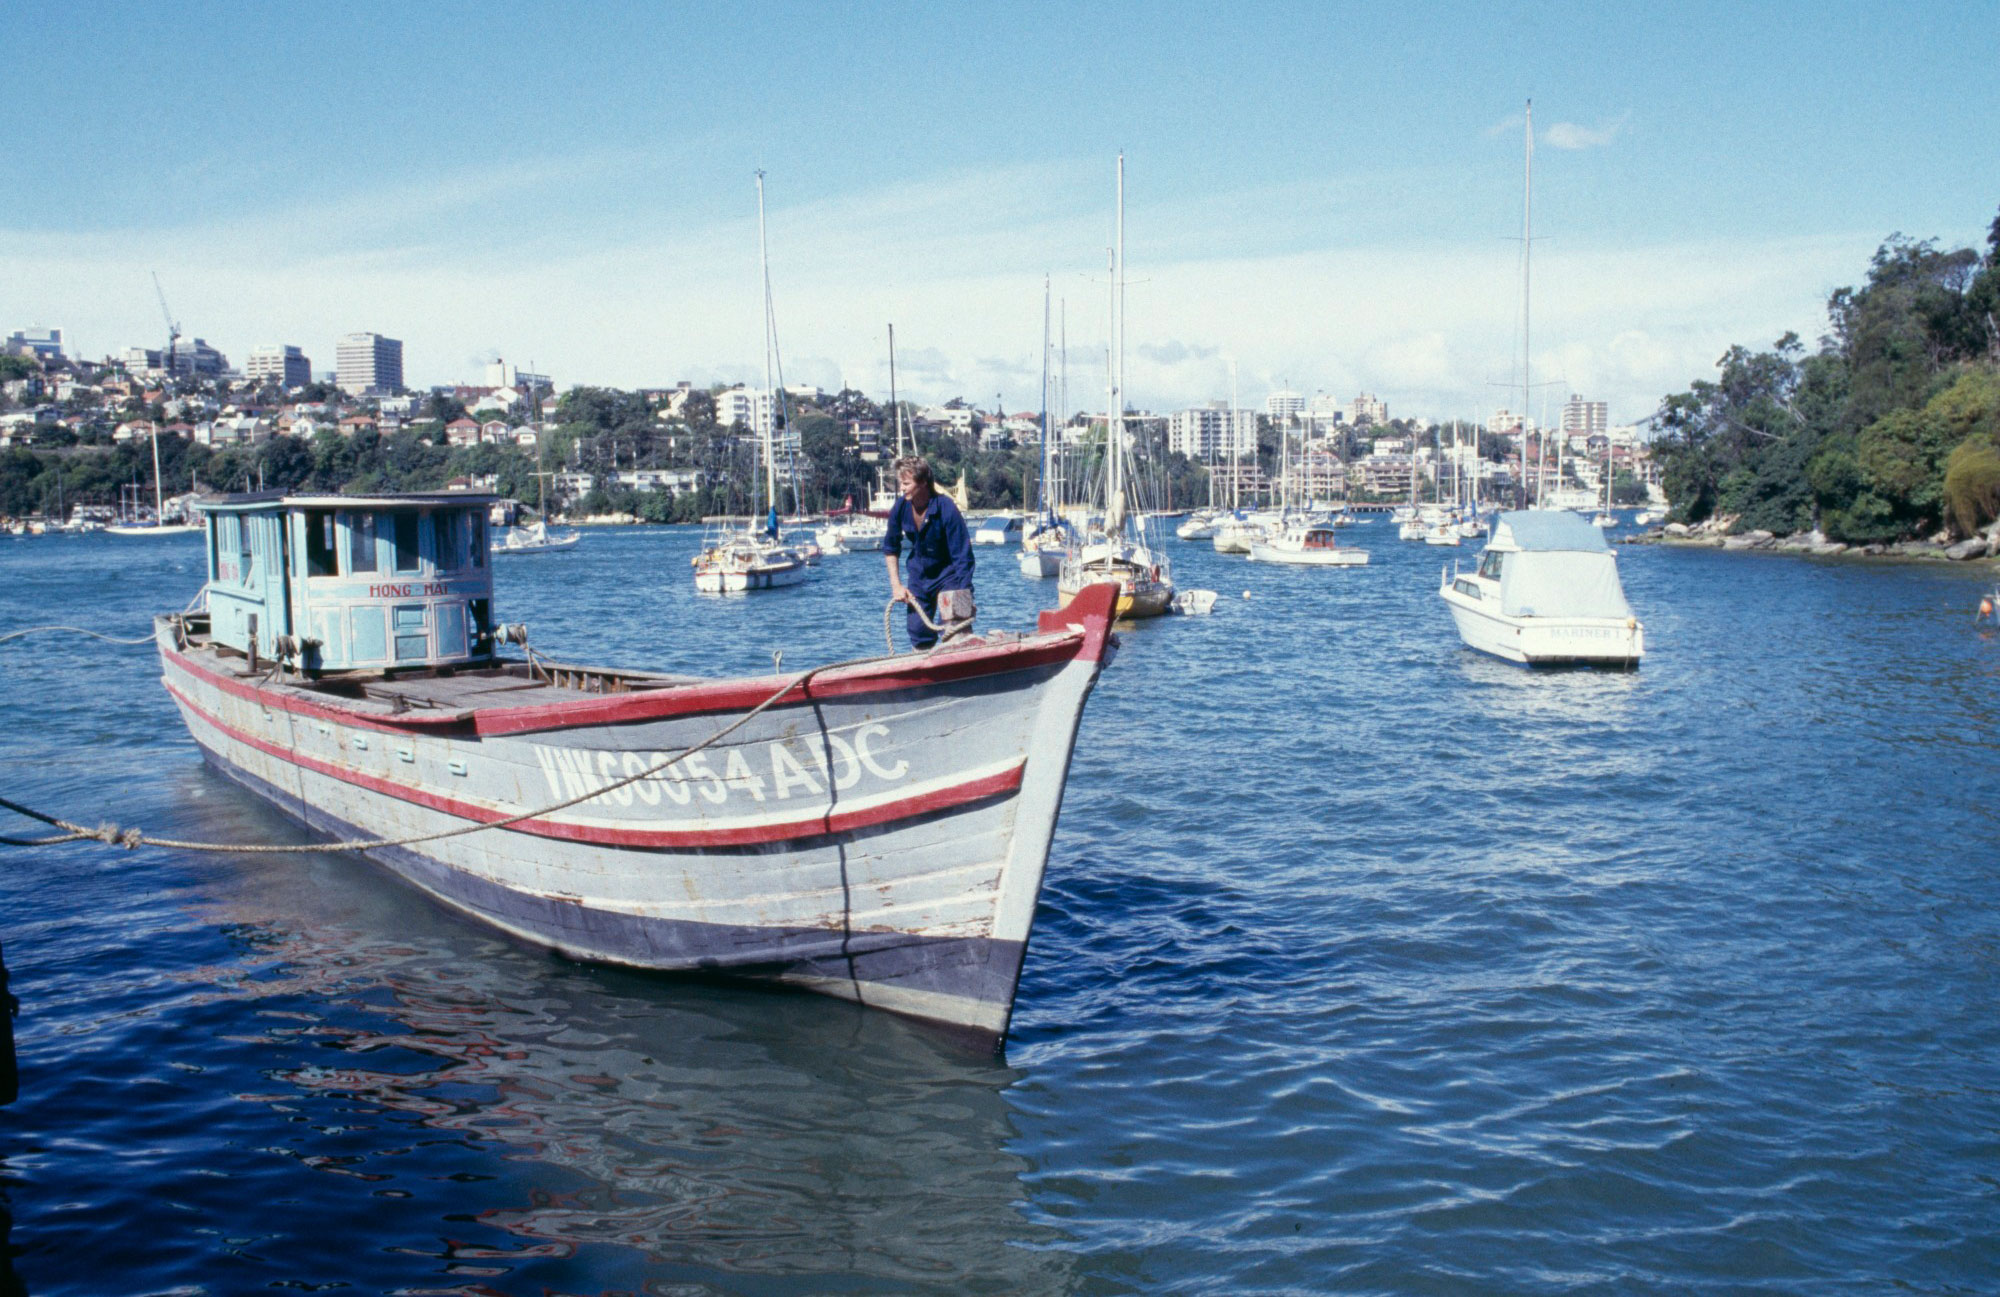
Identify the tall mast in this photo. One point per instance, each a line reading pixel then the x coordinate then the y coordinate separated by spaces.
pixel 1062 401
pixel 1235 445
pixel 770 395
pixel 1527 255
pixel 1045 396
pixel 1115 420
pixel 159 496
pixel 895 406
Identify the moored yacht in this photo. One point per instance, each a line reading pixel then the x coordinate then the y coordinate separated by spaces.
pixel 1546 592
pixel 1314 545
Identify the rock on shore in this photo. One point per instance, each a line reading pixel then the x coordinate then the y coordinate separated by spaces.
pixel 1717 533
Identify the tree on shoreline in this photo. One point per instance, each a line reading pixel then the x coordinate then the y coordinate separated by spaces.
pixel 1859 438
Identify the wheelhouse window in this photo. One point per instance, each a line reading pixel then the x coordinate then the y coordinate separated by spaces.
pixel 448 527
pixel 360 542
pixel 244 571
pixel 409 557
pixel 322 552
pixel 476 526
pixel 1489 564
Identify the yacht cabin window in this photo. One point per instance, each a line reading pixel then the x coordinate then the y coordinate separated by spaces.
pixel 1489 564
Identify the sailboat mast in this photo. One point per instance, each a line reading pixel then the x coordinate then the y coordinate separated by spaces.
pixel 159 495
pixel 770 396
pixel 1044 488
pixel 1115 420
pixel 895 406
pixel 1062 401
pixel 1235 444
pixel 1527 255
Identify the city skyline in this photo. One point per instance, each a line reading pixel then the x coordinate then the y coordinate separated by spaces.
pixel 1355 230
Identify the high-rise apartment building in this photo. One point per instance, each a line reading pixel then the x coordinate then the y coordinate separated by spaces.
pixel 1589 418
pixel 1369 410
pixel 278 363
pixel 47 344
pixel 368 364
pixel 1283 407
pixel 1213 431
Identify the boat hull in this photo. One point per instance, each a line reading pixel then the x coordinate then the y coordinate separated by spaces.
pixel 738 580
pixel 882 840
pixel 1545 641
pixel 1262 552
pixel 1041 564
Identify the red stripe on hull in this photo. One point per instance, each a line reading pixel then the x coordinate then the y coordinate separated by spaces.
pixel 1006 782
pixel 697 700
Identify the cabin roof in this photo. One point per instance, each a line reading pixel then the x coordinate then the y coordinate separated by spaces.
pixel 1550 529
pixel 255 500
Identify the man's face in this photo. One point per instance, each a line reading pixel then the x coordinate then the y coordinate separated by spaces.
pixel 906 484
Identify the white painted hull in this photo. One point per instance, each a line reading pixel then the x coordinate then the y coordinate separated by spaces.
pixel 882 840
pixel 1264 552
pixel 1544 641
pixel 1041 564
pixel 737 581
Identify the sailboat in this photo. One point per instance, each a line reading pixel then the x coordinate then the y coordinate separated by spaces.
pixel 753 558
pixel 159 526
pixel 1605 518
pixel 1120 553
pixel 536 538
pixel 1047 537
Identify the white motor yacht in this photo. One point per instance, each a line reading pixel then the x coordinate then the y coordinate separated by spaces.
pixel 1546 592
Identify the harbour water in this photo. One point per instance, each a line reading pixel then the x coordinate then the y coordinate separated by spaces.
pixel 1363 965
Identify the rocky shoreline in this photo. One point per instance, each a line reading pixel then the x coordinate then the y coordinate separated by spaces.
pixel 1716 534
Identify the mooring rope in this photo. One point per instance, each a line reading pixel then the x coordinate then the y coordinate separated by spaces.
pixel 128 838
pixel 75 630
pixel 888 609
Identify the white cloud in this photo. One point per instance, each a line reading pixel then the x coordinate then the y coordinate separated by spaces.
pixel 1569 135
pixel 957 263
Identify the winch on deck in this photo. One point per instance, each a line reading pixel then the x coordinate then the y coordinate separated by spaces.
pixel 339 583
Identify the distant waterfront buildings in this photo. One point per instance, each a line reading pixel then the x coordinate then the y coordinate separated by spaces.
pixel 278 363
pixel 368 364
pixel 1585 418
pixel 1367 409
pixel 1283 407
pixel 1213 431
pixel 45 343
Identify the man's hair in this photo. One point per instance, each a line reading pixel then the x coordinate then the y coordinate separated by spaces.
pixel 917 467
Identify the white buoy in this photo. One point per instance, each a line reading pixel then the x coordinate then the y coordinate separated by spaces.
pixel 1246 594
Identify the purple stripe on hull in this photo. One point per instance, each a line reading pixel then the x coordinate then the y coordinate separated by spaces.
pixel 976 968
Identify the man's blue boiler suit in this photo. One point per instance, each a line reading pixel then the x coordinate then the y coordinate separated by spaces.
pixel 940 558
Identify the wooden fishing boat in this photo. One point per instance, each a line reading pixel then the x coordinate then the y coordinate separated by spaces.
pixel 874 830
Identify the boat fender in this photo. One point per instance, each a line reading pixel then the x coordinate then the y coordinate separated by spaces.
pixel 1986 608
pixel 513 632
pixel 10 1078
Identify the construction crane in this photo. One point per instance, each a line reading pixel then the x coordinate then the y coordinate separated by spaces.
pixel 173 327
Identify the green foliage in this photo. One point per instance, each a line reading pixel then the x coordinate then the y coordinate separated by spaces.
pixel 1858 436
pixel 15 367
pixel 1972 485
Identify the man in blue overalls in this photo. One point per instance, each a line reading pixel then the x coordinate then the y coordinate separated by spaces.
pixel 939 579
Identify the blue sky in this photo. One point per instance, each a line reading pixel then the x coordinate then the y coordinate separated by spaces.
pixel 1324 195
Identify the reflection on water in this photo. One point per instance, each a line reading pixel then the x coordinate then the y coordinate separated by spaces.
pixel 709 1129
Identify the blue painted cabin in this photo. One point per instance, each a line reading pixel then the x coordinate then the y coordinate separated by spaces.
pixel 351 583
